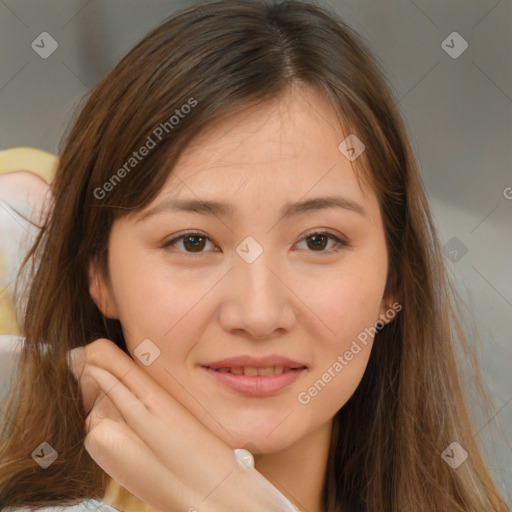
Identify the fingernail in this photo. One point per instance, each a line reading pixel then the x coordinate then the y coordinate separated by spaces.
pixel 76 361
pixel 244 458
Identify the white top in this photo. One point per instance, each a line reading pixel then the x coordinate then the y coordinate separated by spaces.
pixel 84 506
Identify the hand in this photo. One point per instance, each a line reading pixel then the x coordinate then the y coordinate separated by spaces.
pixel 154 447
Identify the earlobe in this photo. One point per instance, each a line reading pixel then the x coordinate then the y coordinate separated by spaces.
pixel 387 310
pixel 100 293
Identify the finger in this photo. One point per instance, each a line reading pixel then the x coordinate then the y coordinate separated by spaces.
pixel 103 409
pixel 187 471
pixel 76 361
pixel 182 443
pixel 106 355
pixel 128 407
pixel 129 461
pixel 89 388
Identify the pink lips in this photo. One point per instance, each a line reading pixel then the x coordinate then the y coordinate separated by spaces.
pixel 256 385
pixel 256 362
pixel 266 385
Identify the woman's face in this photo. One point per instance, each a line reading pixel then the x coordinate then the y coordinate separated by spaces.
pixel 251 279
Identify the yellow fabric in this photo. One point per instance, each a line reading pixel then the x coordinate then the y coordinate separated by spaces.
pixel 44 165
pixel 34 160
pixel 8 324
pixel 118 497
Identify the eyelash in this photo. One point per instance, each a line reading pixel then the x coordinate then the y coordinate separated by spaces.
pixel 339 243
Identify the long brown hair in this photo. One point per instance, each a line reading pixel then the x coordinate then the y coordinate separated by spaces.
pixel 223 57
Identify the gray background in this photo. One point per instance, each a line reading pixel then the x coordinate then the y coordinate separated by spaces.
pixel 458 111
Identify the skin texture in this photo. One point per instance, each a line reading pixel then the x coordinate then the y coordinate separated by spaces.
pixel 201 303
pixel 147 441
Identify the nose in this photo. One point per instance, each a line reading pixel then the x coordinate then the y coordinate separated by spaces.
pixel 257 299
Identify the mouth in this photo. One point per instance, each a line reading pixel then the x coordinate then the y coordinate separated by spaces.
pixel 256 382
pixel 253 371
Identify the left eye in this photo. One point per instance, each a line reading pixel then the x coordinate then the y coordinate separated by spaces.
pixel 320 238
pixel 194 242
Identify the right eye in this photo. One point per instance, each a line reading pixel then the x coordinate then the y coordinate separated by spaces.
pixel 192 242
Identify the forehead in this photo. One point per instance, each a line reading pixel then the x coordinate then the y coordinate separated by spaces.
pixel 282 150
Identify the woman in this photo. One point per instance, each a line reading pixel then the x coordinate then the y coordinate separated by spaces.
pixel 241 241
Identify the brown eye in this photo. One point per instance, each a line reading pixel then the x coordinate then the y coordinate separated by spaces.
pixel 194 243
pixel 317 242
pixel 191 242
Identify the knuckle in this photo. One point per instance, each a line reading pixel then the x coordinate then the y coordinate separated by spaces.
pixel 101 349
pixel 106 434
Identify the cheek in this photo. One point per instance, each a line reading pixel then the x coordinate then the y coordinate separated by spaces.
pixel 334 381
pixel 154 302
pixel 340 358
pixel 341 305
pixel 348 308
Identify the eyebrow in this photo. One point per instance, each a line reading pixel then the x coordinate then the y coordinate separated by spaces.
pixel 206 207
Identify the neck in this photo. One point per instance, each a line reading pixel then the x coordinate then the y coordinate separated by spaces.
pixel 299 471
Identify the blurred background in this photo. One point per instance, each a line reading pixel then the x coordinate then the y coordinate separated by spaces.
pixel 449 65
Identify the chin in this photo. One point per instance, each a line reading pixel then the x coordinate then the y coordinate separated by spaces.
pixel 258 443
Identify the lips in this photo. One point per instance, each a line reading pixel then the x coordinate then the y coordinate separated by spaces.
pixel 256 386
pixel 270 361
pixel 253 371
pixel 256 377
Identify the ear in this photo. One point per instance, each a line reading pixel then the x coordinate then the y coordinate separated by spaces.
pixel 101 293
pixel 389 308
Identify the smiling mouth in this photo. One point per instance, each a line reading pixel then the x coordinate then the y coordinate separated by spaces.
pixel 251 371
pixel 256 382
